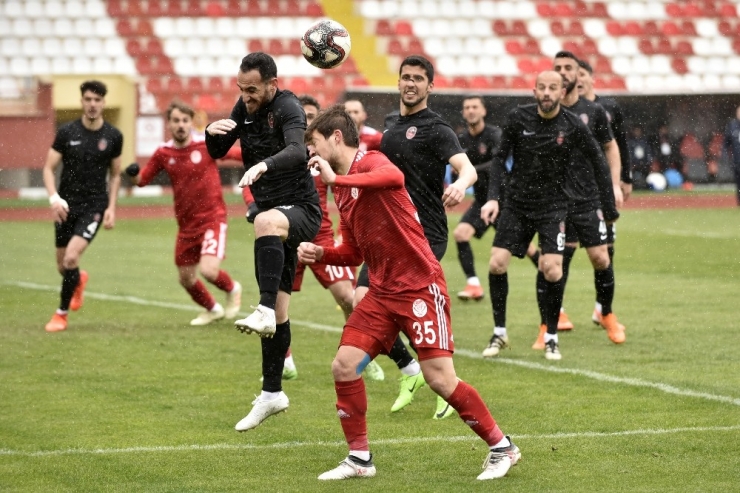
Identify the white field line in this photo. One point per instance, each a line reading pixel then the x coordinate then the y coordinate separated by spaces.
pixel 700 234
pixel 387 441
pixel 601 377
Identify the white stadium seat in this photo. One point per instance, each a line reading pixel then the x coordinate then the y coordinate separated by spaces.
pixel 96 9
pixel 660 65
pixel 195 46
pixel 225 27
pixel 185 26
pixel 124 65
pixel 284 27
pixel 204 28
pixel 696 64
pixel 722 46
pixel 102 65
pixel 63 27
pixel 654 83
pixel 486 65
pixel 550 46
pixel 607 46
pixel 453 46
pixel 460 27
pixel 75 9
pixel 84 26
pixel 449 8
pixel 235 47
pixel 617 10
pixel 369 9
pixel 51 47
pixel 730 82
pixel 656 10
pixel 31 47
pixel 9 47
pixel 92 47
pixel 641 65
pixel 227 65
pixel 487 9
pixel 164 27
pixel 627 46
pixel 54 9
pixel 481 27
pixel 446 65
pixel 22 27
pixel 467 9
pixel 72 47
pixel 636 10
pixel 525 10
pixel 12 9
pixel 467 65
pixel 435 47
pixel 706 28
pixel 33 9
pixel 81 65
pixel 621 65
pixel 184 66
pixel 173 47
pixel 594 28
pixel 635 83
pixel 263 27
pixel 205 65
pixel 673 83
pixel 493 46
pixel 506 65
pixel 40 66
pixel 105 28
pixel 19 67
pixel 5 24
pixel 245 27
pixel 422 28
pixel 539 28
pixel 716 65
pixel 42 27
pixel 711 82
pixel 115 48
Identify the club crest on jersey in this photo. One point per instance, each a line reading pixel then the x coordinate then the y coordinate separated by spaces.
pixel 354 192
pixel 102 144
pixel 419 308
pixel 599 214
pixel 561 138
pixel 584 118
pixel 482 148
pixel 410 132
pixel 561 226
pixel 271 119
pixel 196 157
pixel 171 161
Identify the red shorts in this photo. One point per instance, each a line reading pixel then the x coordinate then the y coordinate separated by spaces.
pixel 211 240
pixel 424 316
pixel 325 274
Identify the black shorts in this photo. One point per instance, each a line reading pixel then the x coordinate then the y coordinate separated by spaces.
pixel 586 228
pixel 516 229
pixel 304 221
pixel 472 217
pixel 611 233
pixel 82 222
pixel 363 279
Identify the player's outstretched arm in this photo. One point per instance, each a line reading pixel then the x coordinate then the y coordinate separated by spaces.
pixel 59 206
pixel 114 183
pixel 220 136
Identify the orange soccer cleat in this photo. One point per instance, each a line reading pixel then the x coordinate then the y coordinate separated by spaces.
pixel 564 322
pixel 614 329
pixel 78 297
pixel 471 293
pixel 539 344
pixel 57 323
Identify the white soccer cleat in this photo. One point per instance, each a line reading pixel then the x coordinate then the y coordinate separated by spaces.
pixel 499 461
pixel 374 372
pixel 261 321
pixel 233 301
pixel 351 467
pixel 205 318
pixel 495 346
pixel 261 410
pixel 552 351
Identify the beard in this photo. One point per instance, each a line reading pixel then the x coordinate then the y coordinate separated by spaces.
pixel 547 106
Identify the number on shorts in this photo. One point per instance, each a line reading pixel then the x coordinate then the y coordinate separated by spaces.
pixel 210 244
pixel 602 230
pixel 92 227
pixel 427 335
pixel 336 272
pixel 561 242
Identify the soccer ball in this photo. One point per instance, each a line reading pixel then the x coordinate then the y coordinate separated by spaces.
pixel 326 44
pixel 656 182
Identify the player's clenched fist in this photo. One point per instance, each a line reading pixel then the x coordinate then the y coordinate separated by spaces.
pixel 221 127
pixel 328 177
pixel 308 253
pixel 489 211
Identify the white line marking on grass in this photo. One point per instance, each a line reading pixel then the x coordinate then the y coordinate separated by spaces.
pixel 701 234
pixel 386 441
pixel 601 377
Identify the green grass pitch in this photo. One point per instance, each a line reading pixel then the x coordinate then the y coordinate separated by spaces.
pixel 131 398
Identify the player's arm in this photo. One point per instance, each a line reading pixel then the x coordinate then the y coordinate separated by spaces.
pixel 490 210
pixel 114 183
pixel 611 151
pixel 466 178
pixel 221 134
pixel 593 153
pixel 142 177
pixel 620 134
pixel 59 206
pixel 291 156
pixel 383 174
pixel 345 253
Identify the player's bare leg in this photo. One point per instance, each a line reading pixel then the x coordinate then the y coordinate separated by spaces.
pixel 498 281
pixel 188 276
pixel 210 269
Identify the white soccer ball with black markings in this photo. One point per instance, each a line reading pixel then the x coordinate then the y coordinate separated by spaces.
pixel 656 182
pixel 326 44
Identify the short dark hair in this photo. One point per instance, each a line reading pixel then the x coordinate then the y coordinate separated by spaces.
pixel 567 54
pixel 586 66
pixel 475 96
pixel 262 62
pixel 335 118
pixel 180 106
pixel 94 86
pixel 308 100
pixel 418 61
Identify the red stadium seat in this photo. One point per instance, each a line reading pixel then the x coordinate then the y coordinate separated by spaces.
pixel 124 28
pixel 194 9
pixel 692 10
pixel 498 82
pixel 395 47
pixel 154 47
pixel 633 28
pixel 115 8
pixel 441 82
pixel 479 82
pixel 348 67
pixel 572 46
pixel 520 82
pixel 614 28
pixel 195 85
pixel 216 84
pixel 679 66
pixel 664 47
pixel 134 9
pixel 598 9
pixel 254 45
pixel 688 28
pixel 575 28
pixel 500 28
pixel 563 9
pixel 254 9
pixel 215 9
pixel 293 8
pixel 383 28
pixel 314 9
pixel 174 8
pixel 736 45
pixel 154 85
pixel 544 10
pixel 403 28
pixel 532 47
pixel 589 48
pixel 603 66
pixel 460 82
pixel 175 85
pixel 298 85
pixel 513 47
pixel 670 28
pixel 650 28
pixel 674 10
pixel 684 48
pixel 416 47
pixel 526 65
pixel 728 10
pixel 542 64
pixel 155 8
pixel 557 28
pixel 294 46
pixel 618 84
pixel 272 9
pixel 133 48
pixel 275 47
pixel 234 8
pixel 207 102
pixel 646 47
pixel 144 28
pixel 725 28
pixel 518 28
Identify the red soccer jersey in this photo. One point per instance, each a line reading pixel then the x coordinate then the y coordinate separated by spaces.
pixel 379 224
pixel 370 139
pixel 195 182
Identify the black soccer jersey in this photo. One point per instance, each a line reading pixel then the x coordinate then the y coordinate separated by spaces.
pixel 421 145
pixel 542 150
pixel 589 186
pixel 86 161
pixel 262 138
pixel 616 120
pixel 480 150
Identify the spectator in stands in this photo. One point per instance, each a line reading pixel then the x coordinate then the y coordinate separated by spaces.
pixel 640 156
pixel 89 150
pixel 732 148
pixel 666 151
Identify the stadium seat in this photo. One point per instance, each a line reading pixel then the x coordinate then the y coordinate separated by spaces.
pixel 395 47
pixel 670 28
pixel 594 28
pixel 679 65
pixel 133 47
pixel 500 28
pixel 383 28
pixel 124 28
pixel 614 28
pixel 688 28
pixel 40 66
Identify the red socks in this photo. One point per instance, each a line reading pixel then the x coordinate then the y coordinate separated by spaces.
pixel 473 411
pixel 351 410
pixel 200 295
pixel 224 282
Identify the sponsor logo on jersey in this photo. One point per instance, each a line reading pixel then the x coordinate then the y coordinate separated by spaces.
pixel 561 138
pixel 410 132
pixel 270 119
pixel 102 144
pixel 286 207
pixel 75 142
pixel 527 133
pixel 584 118
pixel 599 214
pixel 354 192
pixel 482 148
pixel 419 308
pixel 171 161
pixel 196 157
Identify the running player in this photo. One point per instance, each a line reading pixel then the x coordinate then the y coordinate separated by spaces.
pixel 89 150
pixel 543 139
pixel 369 137
pixel 200 211
pixel 616 119
pixel 421 144
pixel 270 124
pixel 480 142
pixel 590 201
pixel 408 293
